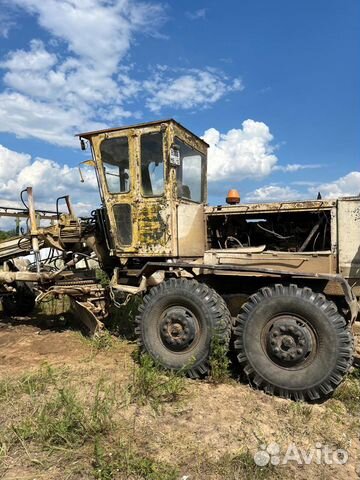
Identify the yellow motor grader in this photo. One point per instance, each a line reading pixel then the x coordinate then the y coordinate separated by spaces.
pixel 277 282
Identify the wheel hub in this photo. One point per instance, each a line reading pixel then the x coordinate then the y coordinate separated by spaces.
pixel 178 328
pixel 289 341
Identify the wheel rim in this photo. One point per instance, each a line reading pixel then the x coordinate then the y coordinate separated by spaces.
pixel 289 341
pixel 179 329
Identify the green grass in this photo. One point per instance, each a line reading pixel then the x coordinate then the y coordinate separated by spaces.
pixel 59 421
pixel 125 462
pixel 101 342
pixel 102 277
pixel 298 410
pixel 219 361
pixel 121 320
pixel 4 235
pixel 237 466
pixel 60 418
pixel 302 410
pixel 349 393
pixel 244 467
pixel 29 384
pixel 103 408
pixel 152 385
pixel 3 449
pixel 55 422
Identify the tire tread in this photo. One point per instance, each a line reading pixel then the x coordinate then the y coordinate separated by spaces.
pixel 345 351
pixel 220 315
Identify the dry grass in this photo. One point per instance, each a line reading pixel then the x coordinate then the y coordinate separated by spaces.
pixel 349 394
pixel 54 421
pixel 92 412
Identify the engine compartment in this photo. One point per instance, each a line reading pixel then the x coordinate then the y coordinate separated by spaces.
pixel 299 231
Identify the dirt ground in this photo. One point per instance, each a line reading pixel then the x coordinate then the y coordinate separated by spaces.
pixel 204 431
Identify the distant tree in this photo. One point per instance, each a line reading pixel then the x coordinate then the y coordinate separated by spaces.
pixel 6 234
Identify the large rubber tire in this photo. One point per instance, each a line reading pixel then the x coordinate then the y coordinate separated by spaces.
pixel 293 342
pixel 176 324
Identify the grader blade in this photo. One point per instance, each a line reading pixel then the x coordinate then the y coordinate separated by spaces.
pixel 86 314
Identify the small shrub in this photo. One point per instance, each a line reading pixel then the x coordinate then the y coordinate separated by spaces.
pixel 101 414
pixel 219 361
pixel 6 389
pixel 103 341
pixel 354 373
pixel 102 277
pixel 337 407
pixel 121 319
pixel 60 421
pixel 297 410
pixel 152 385
pixel 63 420
pixel 104 467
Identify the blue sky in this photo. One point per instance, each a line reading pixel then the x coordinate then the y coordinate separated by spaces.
pixel 272 85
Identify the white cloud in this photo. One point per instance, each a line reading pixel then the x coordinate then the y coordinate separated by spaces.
pixel 245 152
pixel 197 14
pixel 343 187
pixel 48 178
pixel 273 193
pixel 6 24
pixel 86 86
pixel 194 88
pixel 295 167
pixel 47 121
pixel 346 186
pixel 9 158
pixel 99 31
pixel 49 181
pixel 37 58
pixel 304 183
pixel 82 77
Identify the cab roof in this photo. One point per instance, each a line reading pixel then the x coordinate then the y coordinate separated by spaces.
pixel 88 135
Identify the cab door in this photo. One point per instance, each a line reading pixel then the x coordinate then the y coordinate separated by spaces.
pixel 132 171
pixel 117 173
pixel 154 217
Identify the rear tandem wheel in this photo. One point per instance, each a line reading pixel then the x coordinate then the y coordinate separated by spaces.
pixel 293 342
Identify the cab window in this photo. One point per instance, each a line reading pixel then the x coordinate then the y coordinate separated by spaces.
pixel 115 159
pixel 123 219
pixel 152 164
pixel 190 173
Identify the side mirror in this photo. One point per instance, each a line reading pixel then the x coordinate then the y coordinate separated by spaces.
pixel 89 163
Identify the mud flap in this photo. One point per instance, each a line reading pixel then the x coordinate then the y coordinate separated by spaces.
pixel 83 311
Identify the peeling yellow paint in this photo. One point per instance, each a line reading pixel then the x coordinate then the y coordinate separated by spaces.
pixel 154 219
